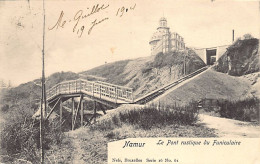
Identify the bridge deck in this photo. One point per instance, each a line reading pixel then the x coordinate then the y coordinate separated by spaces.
pixel 95 89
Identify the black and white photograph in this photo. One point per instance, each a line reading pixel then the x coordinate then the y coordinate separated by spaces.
pixel 129 81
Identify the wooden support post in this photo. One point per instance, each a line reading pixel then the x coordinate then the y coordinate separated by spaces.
pixel 116 94
pixel 95 111
pixel 99 90
pixel 52 109
pixel 61 113
pixel 88 122
pixel 72 113
pixel 77 110
pixel 132 96
pixel 76 84
pixel 93 87
pixel 101 107
pixel 82 112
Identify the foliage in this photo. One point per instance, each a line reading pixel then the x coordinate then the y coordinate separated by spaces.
pixel 174 58
pixel 168 59
pixel 244 110
pixel 20 134
pixel 29 93
pixel 147 69
pixel 241 58
pixel 5 108
pixel 247 36
pixel 151 116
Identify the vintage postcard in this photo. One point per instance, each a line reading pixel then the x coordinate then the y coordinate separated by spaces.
pixel 129 81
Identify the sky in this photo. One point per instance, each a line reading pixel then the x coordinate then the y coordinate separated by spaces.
pixel 202 23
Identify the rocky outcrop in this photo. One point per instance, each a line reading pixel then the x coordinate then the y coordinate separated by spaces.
pixel 241 58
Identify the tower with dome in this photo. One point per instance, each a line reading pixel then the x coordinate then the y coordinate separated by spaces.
pixel 164 41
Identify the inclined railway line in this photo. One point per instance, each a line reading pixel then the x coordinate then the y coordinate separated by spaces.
pixel 152 95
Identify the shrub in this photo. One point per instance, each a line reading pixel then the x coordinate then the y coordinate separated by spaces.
pixel 103 126
pixel 5 108
pixel 21 138
pixel 244 110
pixel 20 135
pixel 151 116
pixel 147 69
pixel 112 135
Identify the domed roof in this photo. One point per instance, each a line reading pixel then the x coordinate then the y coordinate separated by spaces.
pixel 163 19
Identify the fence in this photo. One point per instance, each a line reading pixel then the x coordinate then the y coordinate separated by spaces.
pixel 96 89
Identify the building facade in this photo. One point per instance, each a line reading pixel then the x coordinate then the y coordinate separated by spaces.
pixel 164 41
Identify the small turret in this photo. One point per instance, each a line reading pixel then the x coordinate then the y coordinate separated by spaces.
pixel 163 22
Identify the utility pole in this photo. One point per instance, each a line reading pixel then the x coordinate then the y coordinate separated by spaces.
pixel 233 35
pixel 184 65
pixel 259 46
pixel 43 97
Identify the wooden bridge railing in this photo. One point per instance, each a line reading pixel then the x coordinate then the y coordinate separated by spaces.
pixel 98 89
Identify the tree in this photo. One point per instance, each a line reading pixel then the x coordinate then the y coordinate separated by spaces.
pixel 247 36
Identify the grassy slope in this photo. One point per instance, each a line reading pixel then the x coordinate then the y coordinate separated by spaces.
pixel 94 149
pixel 112 72
pixel 212 85
pixel 89 145
pixel 30 92
pixel 148 73
pixel 126 72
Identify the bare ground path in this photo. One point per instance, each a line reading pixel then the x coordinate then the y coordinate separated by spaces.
pixel 78 152
pixel 230 128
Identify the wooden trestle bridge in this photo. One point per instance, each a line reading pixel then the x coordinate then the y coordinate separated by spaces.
pixel 99 92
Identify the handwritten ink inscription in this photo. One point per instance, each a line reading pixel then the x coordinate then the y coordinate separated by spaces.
pixel 120 12
pixel 80 18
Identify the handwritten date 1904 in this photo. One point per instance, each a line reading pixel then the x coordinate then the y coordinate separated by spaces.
pixel 120 12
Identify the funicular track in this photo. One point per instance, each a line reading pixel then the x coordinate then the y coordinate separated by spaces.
pixel 152 95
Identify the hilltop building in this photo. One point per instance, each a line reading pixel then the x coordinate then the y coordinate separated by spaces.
pixel 164 41
pixel 4 85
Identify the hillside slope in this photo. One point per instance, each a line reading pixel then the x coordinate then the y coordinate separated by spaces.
pixel 142 74
pixel 29 94
pixel 210 85
pixel 148 73
pixel 254 80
